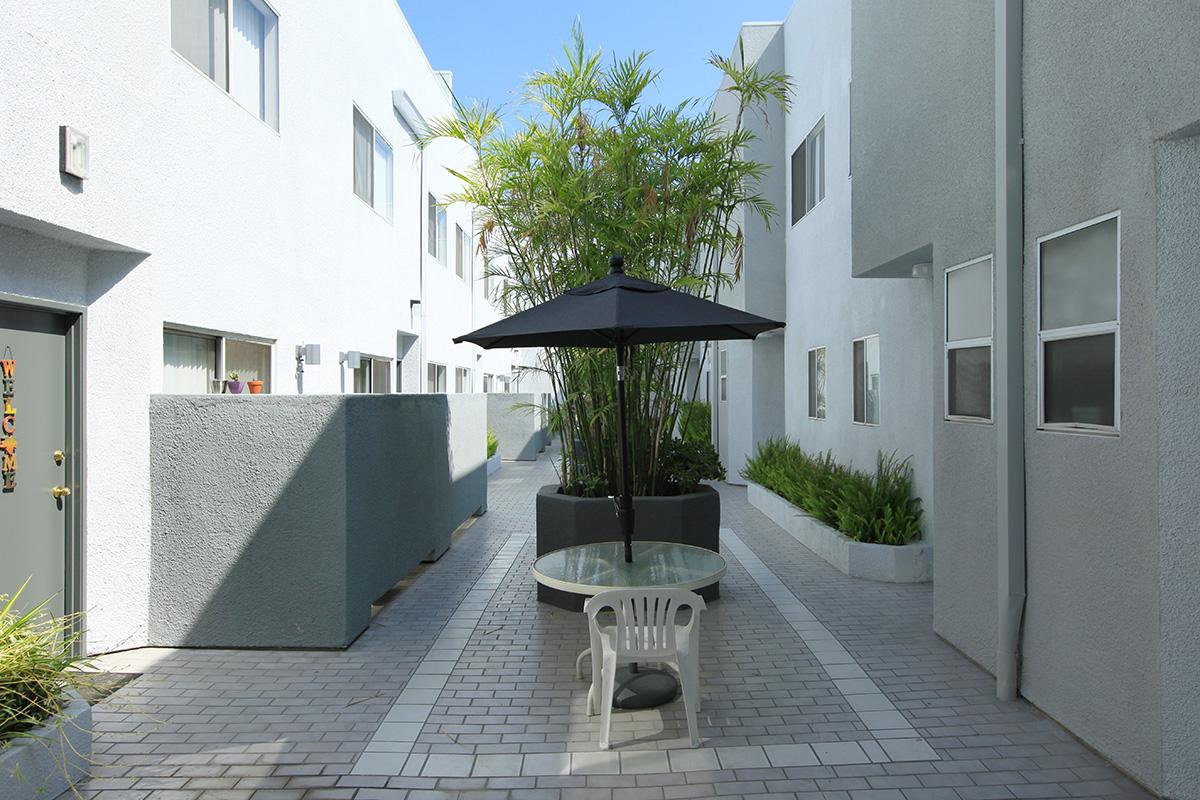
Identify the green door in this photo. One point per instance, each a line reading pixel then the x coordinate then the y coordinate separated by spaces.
pixel 36 495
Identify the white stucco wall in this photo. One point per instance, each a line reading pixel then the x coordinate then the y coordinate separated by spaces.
pixel 242 229
pixel 825 305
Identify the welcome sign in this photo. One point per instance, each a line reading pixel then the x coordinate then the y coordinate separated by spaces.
pixel 8 423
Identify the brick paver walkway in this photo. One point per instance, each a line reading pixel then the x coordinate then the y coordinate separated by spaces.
pixel 815 685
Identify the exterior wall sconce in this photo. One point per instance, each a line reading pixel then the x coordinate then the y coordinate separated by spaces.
pixel 73 152
pixel 351 358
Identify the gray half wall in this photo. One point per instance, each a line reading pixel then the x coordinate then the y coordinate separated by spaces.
pixel 518 427
pixel 277 520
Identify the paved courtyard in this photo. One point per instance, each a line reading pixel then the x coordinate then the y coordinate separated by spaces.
pixel 814 685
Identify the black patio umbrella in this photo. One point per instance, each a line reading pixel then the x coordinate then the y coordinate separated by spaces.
pixel 618 311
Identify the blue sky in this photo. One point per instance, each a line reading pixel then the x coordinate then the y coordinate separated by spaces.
pixel 490 47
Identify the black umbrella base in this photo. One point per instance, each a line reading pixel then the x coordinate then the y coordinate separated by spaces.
pixel 645 688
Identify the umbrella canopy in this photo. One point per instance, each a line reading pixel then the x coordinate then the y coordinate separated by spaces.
pixel 619 309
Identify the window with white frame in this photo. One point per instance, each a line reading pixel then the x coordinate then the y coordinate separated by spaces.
pixel 236 44
pixel 866 380
pixel 968 341
pixel 808 172
pixel 462 379
pixel 816 383
pixel 723 373
pixel 505 383
pixel 517 373
pixel 196 363
pixel 431 224
pixel 489 382
pixel 462 252
pixel 435 378
pixel 373 376
pixel 1079 327
pixel 373 176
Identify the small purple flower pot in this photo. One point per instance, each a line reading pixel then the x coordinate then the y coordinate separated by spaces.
pixel 235 387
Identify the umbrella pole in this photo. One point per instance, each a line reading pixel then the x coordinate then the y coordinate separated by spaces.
pixel 625 498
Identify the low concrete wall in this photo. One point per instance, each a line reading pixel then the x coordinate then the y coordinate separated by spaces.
pixel 518 428
pixel 277 520
pixel 493 465
pixel 48 760
pixel 910 563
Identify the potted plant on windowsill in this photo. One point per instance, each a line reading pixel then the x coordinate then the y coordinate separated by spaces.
pixel 255 387
pixel 45 726
pixel 234 385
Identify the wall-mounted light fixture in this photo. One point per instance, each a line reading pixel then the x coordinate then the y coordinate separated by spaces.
pixel 306 354
pixel 351 358
pixel 73 152
pixel 922 270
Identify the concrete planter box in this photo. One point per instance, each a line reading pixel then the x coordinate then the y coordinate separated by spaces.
pixel 493 464
pixel 564 521
pixel 909 563
pixel 51 759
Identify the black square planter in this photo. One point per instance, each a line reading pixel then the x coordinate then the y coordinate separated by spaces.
pixel 565 521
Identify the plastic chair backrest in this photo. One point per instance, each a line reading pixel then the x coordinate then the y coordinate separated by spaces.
pixel 645 618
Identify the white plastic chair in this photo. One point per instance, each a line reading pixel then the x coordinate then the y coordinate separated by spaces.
pixel 645 630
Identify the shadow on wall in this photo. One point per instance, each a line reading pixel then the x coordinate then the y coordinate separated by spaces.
pixel 519 424
pixel 278 520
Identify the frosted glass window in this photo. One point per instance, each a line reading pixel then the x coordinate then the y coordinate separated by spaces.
pixel 431 224
pixel 723 372
pixel 866 380
pixel 250 360
pixel 383 178
pixel 969 302
pixel 435 378
pixel 236 43
pixel 381 376
pixel 816 383
pixel 1079 328
pixel 461 253
pixel 189 363
pixel 198 31
pixel 1079 277
pixel 364 171
pixel 254 59
pixel 441 235
pixel 462 380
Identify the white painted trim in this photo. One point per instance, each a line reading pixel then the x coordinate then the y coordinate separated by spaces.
pixel 963 344
pixel 1076 332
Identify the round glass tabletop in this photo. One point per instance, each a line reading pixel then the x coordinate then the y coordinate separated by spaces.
pixel 593 568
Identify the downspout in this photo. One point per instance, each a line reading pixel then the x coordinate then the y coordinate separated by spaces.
pixel 1010 350
pixel 414 122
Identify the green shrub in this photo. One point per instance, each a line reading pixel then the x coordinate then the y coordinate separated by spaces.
pixel 35 653
pixel 878 507
pixel 686 463
pixel 695 421
pixel 492 443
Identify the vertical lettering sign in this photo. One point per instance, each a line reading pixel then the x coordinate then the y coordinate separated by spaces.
pixel 8 423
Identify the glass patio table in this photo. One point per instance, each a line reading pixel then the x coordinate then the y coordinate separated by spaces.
pixel 589 569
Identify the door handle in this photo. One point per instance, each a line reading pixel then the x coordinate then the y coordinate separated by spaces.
pixel 60 492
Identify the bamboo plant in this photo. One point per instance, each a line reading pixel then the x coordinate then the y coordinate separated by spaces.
pixel 594 170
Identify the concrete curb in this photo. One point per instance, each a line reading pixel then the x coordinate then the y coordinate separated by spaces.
pixel 49 760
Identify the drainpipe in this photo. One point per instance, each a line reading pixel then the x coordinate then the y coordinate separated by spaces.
pixel 414 122
pixel 1010 350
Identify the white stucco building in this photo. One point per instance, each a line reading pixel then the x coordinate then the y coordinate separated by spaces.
pixel 251 186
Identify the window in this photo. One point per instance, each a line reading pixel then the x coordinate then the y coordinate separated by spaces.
pixel 250 360
pixel 505 383
pixel 196 363
pixel 435 378
pixel 816 383
pixel 441 235
pixel 189 363
pixel 1079 327
pixel 489 382
pixel 373 376
pixel 373 178
pixel 969 340
pixel 462 380
pixel 462 252
pixel 515 382
pixel 866 380
pixel 436 221
pixel 236 44
pixel 723 372
pixel 808 173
